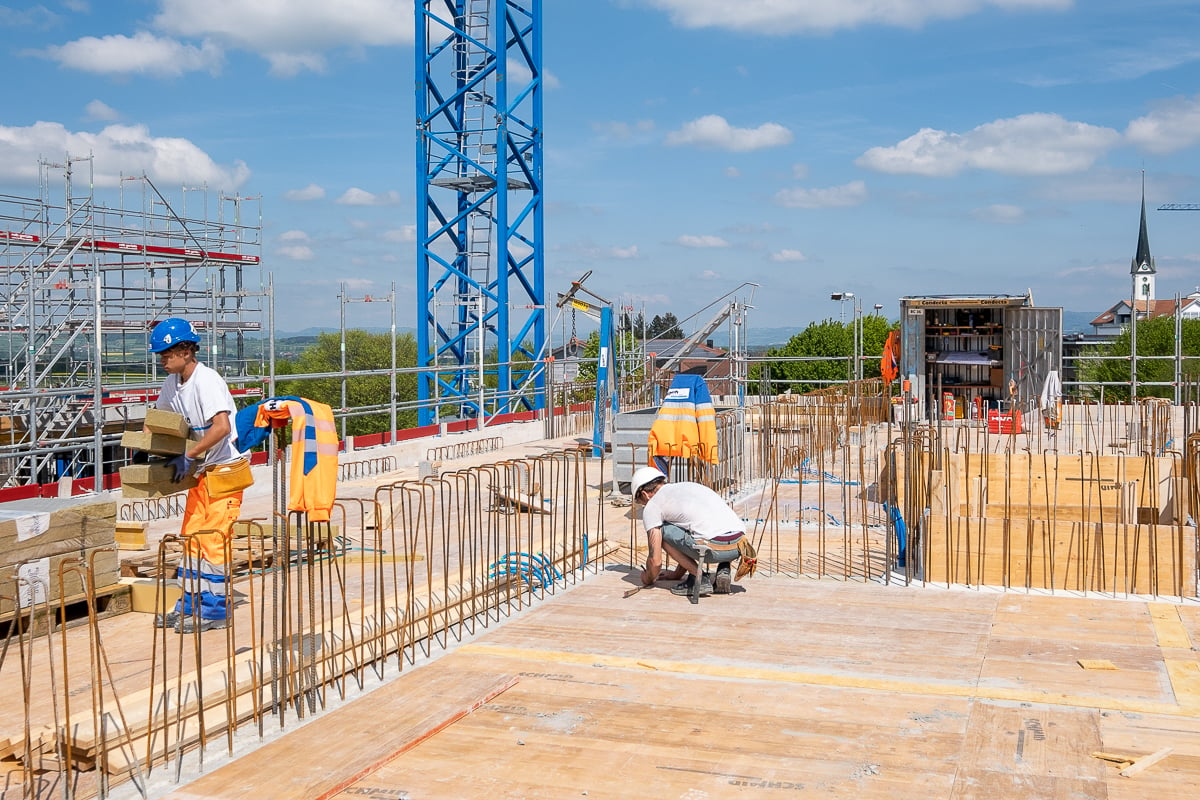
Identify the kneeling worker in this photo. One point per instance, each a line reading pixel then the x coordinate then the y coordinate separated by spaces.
pixel 675 515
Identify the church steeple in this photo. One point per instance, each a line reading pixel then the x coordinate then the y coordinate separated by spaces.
pixel 1142 266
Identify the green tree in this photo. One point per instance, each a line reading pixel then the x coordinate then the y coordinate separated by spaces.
pixel 664 327
pixel 1155 347
pixel 364 351
pixel 830 341
pixel 632 324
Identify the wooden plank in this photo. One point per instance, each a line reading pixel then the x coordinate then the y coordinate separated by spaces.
pixel 1145 762
pixel 352 741
pixel 1014 751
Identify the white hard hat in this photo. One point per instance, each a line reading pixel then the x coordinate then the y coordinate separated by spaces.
pixel 642 477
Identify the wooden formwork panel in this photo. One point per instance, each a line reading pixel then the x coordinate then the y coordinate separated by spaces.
pixel 1069 555
pixel 1080 487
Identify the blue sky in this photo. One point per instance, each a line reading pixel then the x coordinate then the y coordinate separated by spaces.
pixel 881 147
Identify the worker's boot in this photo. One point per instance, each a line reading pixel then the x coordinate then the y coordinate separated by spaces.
pixel 168 620
pixel 189 625
pixel 723 580
pixel 684 588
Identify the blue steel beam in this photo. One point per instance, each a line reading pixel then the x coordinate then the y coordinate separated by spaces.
pixel 480 251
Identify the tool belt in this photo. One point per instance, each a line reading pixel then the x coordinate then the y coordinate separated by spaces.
pixel 748 561
pixel 746 554
pixel 224 480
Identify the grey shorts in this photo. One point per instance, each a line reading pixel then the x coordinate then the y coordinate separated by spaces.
pixel 682 540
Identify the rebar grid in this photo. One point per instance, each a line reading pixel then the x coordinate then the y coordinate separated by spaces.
pixel 318 609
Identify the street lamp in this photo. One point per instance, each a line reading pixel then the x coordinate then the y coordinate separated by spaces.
pixel 856 311
pixel 842 297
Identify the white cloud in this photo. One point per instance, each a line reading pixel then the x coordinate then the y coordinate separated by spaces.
pixel 361 197
pixel 119 150
pixel 732 172
pixel 788 255
pixel 293 236
pixel 34 17
pixel 290 34
pixel 1030 144
pixel 1173 126
pixel 519 75
pixel 297 252
pixel 703 242
pixel 624 252
pixel 143 54
pixel 714 131
pixel 310 192
pixel 780 17
pixel 709 275
pixel 1000 213
pixel 404 234
pixel 799 171
pixel 849 194
pixel 287 65
pixel 100 112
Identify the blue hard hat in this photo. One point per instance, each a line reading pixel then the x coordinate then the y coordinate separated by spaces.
pixel 171 332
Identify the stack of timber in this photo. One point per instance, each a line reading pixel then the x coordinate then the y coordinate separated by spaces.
pixel 47 546
pixel 165 434
pixel 1081 522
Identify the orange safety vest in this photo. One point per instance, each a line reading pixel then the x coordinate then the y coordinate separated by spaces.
pixel 686 424
pixel 312 479
pixel 889 364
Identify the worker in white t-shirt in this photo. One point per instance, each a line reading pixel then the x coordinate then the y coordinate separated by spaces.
pixel 675 515
pixel 201 395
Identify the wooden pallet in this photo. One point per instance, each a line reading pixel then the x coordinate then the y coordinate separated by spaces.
pixel 71 611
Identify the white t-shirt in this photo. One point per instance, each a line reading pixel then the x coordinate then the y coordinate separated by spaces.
pixel 692 506
pixel 199 399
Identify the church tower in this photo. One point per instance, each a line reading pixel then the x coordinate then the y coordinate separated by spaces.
pixel 1142 268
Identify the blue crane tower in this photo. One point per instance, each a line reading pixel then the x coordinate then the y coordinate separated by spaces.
pixel 481 306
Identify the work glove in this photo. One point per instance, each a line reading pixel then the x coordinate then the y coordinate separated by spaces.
pixel 183 467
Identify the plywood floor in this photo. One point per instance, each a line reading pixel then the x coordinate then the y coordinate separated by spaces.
pixel 785 688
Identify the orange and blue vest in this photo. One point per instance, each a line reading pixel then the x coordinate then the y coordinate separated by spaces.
pixel 312 480
pixel 686 425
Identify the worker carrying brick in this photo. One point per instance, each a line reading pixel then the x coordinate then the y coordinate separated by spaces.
pixel 201 395
pixel 679 516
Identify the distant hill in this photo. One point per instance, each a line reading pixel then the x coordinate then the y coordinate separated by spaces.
pixel 769 337
pixel 1078 321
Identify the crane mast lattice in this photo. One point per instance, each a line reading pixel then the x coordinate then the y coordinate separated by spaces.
pixel 480 254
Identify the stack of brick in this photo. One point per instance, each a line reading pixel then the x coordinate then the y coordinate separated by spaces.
pixel 41 539
pixel 166 435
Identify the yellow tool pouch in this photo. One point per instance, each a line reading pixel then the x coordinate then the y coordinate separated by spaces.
pixel 226 479
pixel 748 562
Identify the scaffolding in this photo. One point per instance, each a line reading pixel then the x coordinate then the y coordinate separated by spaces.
pixel 83 279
